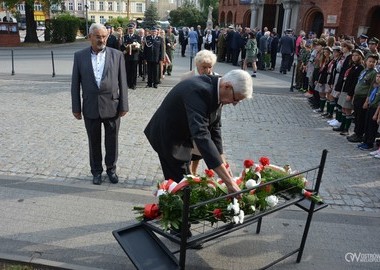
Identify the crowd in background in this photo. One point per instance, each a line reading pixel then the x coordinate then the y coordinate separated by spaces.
pixel 340 75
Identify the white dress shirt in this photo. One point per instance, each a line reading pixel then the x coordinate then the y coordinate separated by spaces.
pixel 98 60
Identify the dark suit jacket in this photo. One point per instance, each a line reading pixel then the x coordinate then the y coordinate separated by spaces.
pixel 134 56
pixel 154 49
pixel 111 97
pixel 112 42
pixel 189 112
pixel 287 44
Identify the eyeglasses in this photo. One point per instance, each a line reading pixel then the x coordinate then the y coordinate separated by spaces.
pixel 233 97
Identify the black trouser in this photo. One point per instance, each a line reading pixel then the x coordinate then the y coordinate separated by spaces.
pixel 273 57
pixel 142 67
pixel 152 70
pixel 173 168
pixel 360 115
pixel 183 49
pixel 371 127
pixel 94 133
pixel 131 69
pixel 235 56
pixel 285 62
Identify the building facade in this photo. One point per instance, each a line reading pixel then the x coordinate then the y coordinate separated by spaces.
pixel 349 17
pixel 102 11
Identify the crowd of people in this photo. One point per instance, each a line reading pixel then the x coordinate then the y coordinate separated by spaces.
pixel 148 52
pixel 338 73
pixel 341 78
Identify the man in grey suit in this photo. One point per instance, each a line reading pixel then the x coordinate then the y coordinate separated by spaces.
pixel 189 114
pixel 100 72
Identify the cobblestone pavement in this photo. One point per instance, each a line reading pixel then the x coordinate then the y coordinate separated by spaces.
pixel 40 138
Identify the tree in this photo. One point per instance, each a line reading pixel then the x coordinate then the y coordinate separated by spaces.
pixel 119 21
pixel 31 25
pixel 151 16
pixel 187 15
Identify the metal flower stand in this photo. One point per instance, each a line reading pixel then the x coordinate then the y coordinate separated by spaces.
pixel 146 251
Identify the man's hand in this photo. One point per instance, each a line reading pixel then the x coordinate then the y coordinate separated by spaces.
pixel 121 114
pixel 232 187
pixel 224 174
pixel 77 115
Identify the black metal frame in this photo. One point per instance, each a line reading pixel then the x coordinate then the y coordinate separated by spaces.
pixel 300 201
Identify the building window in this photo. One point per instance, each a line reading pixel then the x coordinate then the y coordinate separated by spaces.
pixel 37 7
pixel 101 6
pixel 117 6
pixel 92 5
pixel 71 6
pixel 139 7
pixel 110 7
pixel 102 20
pixel 92 18
pixel 80 6
pixel 20 7
pixel 126 6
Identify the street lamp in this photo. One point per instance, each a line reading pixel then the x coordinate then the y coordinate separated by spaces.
pixel 86 7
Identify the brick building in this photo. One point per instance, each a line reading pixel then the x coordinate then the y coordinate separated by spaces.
pixel 350 17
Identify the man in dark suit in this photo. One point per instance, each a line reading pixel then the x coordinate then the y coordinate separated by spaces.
pixel 100 72
pixel 200 37
pixel 184 116
pixel 131 48
pixel 112 40
pixel 153 54
pixel 287 48
pixel 182 39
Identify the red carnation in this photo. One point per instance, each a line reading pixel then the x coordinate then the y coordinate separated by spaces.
pixel 217 213
pixel 307 194
pixel 264 161
pixel 209 173
pixel 248 163
pixel 151 211
pixel 268 188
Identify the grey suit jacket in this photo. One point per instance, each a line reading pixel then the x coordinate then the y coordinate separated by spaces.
pixel 111 97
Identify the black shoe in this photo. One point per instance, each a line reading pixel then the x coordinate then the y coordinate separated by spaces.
pixel 354 138
pixel 169 74
pixel 148 85
pixel 344 133
pixel 143 78
pixel 338 129
pixel 133 87
pixel 155 85
pixel 97 179
pixel 114 179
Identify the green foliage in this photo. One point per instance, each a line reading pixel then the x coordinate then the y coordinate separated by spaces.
pixel 119 21
pixel 64 28
pixel 151 16
pixel 188 15
pixel 171 206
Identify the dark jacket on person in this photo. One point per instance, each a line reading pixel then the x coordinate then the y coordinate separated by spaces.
pixel 186 115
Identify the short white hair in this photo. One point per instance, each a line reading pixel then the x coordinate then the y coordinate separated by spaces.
pixel 241 82
pixel 96 26
pixel 205 56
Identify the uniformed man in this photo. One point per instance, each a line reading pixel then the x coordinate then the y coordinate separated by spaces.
pixel 153 54
pixel 171 43
pixel 131 48
pixel 363 42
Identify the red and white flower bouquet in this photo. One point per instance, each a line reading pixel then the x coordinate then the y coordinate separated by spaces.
pixel 257 181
